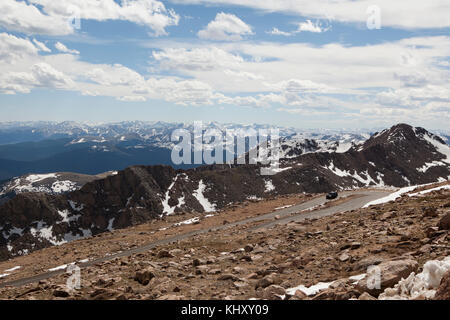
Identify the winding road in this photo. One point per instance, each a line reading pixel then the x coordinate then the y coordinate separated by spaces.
pixel 307 210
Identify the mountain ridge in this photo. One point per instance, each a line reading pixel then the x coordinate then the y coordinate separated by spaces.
pixel 399 156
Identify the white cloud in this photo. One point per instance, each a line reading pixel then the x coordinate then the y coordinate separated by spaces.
pixel 409 14
pixel 13 48
pixel 203 59
pixel 277 32
pixel 22 17
pixel 62 48
pixel 56 16
pixel 310 26
pixel 225 27
pixel 41 46
pixel 132 98
pixel 41 75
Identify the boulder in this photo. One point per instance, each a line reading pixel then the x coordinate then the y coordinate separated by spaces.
pixel 265 282
pixel 386 275
pixel 144 276
pixel 164 254
pixel 274 292
pixel 61 293
pixel 444 223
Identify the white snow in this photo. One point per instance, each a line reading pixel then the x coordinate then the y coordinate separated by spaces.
pixel 39 177
pixel 198 194
pixel 189 221
pixel 391 197
pixel 422 285
pixel 166 208
pixel 110 224
pixel 358 277
pixel 337 171
pixel 65 215
pixel 284 207
pixel 75 205
pixel 441 148
pixel 13 269
pixel 309 291
pixel 429 165
pixel 63 186
pixel 61 267
pixel 269 186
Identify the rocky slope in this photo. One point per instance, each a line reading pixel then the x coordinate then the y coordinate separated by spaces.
pixel 329 258
pixel 399 156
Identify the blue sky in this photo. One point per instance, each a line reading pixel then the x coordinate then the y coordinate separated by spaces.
pixel 305 64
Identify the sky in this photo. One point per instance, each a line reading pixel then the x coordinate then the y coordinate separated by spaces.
pixel 293 63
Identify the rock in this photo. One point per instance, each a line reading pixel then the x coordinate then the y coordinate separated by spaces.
pixel 227 276
pixel 303 260
pixel 344 257
pixel 443 291
pixel 274 292
pixel 248 248
pixel 252 276
pixel 61 293
pixel 175 252
pixel 363 264
pixel 103 294
pixel 444 223
pixel 144 276
pixel 196 262
pixel 386 275
pixel 215 271
pixel 300 295
pixel 265 282
pixel 429 212
pixel 355 245
pixel 164 254
pixel 240 284
pixel 366 296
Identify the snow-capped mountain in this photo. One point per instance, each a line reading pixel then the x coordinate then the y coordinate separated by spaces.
pixel 51 183
pixel 399 156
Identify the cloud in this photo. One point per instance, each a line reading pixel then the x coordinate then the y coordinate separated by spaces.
pixel 410 14
pixel 309 26
pixel 62 48
pixel 41 75
pixel 132 99
pixel 13 48
pixel 41 46
pixel 55 17
pixel 197 59
pixel 27 18
pixel 277 32
pixel 225 27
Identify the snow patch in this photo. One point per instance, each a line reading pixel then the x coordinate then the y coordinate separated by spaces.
pixel 422 285
pixel 269 186
pixel 310 291
pixel 198 194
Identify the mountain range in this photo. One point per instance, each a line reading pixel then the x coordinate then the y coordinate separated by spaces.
pixel 49 147
pixel 400 156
